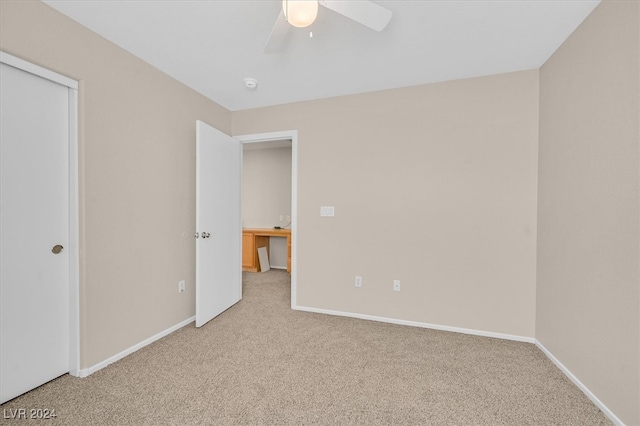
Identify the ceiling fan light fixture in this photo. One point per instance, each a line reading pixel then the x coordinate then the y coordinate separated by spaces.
pixel 300 13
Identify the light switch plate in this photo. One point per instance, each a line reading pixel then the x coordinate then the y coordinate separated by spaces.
pixel 327 211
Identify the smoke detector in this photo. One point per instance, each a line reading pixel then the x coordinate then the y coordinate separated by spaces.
pixel 250 83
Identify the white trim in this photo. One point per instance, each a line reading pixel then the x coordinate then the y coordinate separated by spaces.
pixel 293 136
pixel 37 70
pixel 74 238
pixel 74 251
pixel 482 333
pixel 607 412
pixel 99 366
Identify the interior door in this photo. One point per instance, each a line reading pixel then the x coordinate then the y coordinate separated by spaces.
pixel 34 231
pixel 218 223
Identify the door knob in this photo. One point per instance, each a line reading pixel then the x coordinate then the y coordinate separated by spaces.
pixel 206 235
pixel 57 249
pixel 197 235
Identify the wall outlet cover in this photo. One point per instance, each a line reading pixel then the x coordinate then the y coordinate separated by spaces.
pixel 358 281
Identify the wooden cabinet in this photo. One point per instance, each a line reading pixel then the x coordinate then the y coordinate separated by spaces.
pixel 248 249
pixel 252 239
pixel 289 253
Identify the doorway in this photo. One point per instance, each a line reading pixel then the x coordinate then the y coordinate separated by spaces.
pixel 282 139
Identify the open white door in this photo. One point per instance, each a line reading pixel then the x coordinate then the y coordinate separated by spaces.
pixel 218 223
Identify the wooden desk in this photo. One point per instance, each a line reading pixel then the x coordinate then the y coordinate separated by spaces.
pixel 253 238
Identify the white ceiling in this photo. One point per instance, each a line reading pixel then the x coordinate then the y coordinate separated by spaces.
pixel 212 46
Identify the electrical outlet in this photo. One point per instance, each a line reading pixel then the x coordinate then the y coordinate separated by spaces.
pixel 396 285
pixel 181 286
pixel 281 218
pixel 358 281
pixel 288 218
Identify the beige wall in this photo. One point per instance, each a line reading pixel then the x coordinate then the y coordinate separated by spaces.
pixel 266 187
pixel 137 166
pixel 433 185
pixel 588 300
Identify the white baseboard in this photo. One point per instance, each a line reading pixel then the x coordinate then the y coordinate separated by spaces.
pixel 419 324
pixel 88 371
pixel 607 412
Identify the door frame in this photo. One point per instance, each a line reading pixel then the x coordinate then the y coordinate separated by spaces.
pixel 74 235
pixel 293 136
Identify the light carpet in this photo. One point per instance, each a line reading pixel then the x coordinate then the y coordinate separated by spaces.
pixel 261 363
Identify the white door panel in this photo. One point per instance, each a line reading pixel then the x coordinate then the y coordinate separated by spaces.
pixel 34 217
pixel 218 223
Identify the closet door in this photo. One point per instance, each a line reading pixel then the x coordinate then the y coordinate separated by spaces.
pixel 34 231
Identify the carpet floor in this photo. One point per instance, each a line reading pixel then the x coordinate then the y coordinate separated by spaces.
pixel 260 363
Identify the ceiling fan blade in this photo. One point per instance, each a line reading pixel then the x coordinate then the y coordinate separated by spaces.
pixel 364 12
pixel 278 37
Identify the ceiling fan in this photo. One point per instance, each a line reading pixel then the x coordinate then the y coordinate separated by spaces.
pixel 303 13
